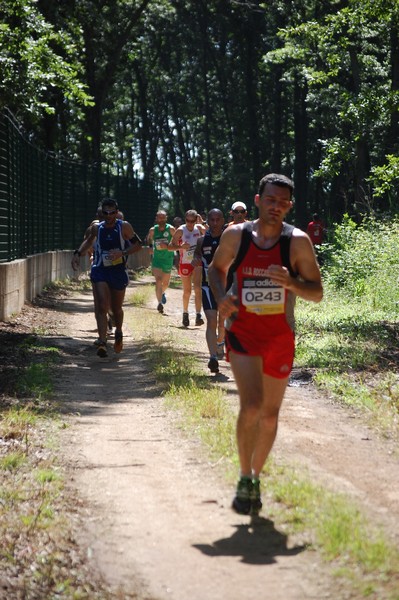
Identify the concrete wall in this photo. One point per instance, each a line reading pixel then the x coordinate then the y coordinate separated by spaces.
pixel 22 280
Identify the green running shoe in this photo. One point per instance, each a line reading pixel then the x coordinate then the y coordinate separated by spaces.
pixel 256 502
pixel 242 501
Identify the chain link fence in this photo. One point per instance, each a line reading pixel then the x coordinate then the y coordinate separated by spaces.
pixel 47 202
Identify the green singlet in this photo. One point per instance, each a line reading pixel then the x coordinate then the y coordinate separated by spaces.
pixel 162 259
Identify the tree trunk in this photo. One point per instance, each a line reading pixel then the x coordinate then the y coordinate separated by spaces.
pixel 301 152
pixel 392 144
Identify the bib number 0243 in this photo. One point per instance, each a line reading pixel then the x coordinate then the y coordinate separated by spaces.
pixel 267 300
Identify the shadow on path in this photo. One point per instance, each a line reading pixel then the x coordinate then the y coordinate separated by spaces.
pixel 258 543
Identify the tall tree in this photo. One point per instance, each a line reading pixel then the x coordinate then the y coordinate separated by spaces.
pixel 38 65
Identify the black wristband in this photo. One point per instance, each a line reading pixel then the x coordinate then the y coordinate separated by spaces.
pixel 76 252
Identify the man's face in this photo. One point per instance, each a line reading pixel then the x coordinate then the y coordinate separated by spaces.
pixel 215 222
pixel 274 203
pixel 177 221
pixel 190 222
pixel 160 218
pixel 239 214
pixel 109 213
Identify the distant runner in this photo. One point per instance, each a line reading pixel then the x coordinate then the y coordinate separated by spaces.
pixel 203 255
pixel 113 240
pixel 185 240
pixel 159 237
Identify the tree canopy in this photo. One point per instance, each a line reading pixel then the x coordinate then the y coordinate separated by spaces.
pixel 208 96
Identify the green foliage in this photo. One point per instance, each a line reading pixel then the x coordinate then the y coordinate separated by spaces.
pixel 350 339
pixel 385 178
pixel 34 365
pixel 202 94
pixel 37 61
pixel 12 461
pixel 141 296
pixel 362 261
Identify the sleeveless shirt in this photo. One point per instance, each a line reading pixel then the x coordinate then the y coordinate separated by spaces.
pixel 208 247
pixel 162 257
pixel 190 237
pixel 108 238
pixel 264 307
pixel 161 236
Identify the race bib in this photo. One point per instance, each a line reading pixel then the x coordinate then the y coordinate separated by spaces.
pixel 206 250
pixel 189 254
pixel 262 297
pixel 160 241
pixel 107 262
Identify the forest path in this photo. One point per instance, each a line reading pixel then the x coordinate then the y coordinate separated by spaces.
pixel 158 522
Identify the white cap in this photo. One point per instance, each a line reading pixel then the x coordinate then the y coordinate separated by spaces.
pixel 238 205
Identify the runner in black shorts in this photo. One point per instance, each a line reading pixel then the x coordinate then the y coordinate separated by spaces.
pixel 203 254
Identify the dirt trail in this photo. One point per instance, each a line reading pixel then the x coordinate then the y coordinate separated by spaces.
pixel 158 521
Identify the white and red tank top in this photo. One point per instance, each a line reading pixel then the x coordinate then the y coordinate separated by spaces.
pixel 190 237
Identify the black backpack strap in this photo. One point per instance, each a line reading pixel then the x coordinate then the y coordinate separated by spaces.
pixel 285 243
pixel 242 250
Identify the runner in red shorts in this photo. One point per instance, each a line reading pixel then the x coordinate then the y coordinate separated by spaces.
pixel 185 240
pixel 264 264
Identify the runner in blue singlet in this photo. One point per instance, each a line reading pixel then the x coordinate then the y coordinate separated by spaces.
pixel 112 240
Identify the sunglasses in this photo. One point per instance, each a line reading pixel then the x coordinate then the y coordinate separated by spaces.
pixel 109 212
pixel 191 220
pixel 239 211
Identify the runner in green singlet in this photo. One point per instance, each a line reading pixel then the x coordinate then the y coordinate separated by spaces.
pixel 159 237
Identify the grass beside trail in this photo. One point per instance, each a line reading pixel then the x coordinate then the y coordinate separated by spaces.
pixel 39 556
pixel 361 554
pixel 354 355
pixel 351 339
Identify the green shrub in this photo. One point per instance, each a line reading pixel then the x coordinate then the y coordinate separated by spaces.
pixel 362 262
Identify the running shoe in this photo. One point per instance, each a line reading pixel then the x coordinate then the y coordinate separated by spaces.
pixel 220 351
pixel 242 501
pixel 256 502
pixel 102 350
pixel 118 345
pixel 199 320
pixel 213 365
pixel 186 320
pixel 160 308
pixel 97 342
pixel 163 298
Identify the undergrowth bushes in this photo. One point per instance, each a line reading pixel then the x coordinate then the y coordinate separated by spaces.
pixel 362 262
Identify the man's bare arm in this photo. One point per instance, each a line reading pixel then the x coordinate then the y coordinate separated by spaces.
pixel 150 236
pixel 218 269
pixel 303 259
pixel 131 236
pixel 88 240
pixel 174 242
pixel 197 260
